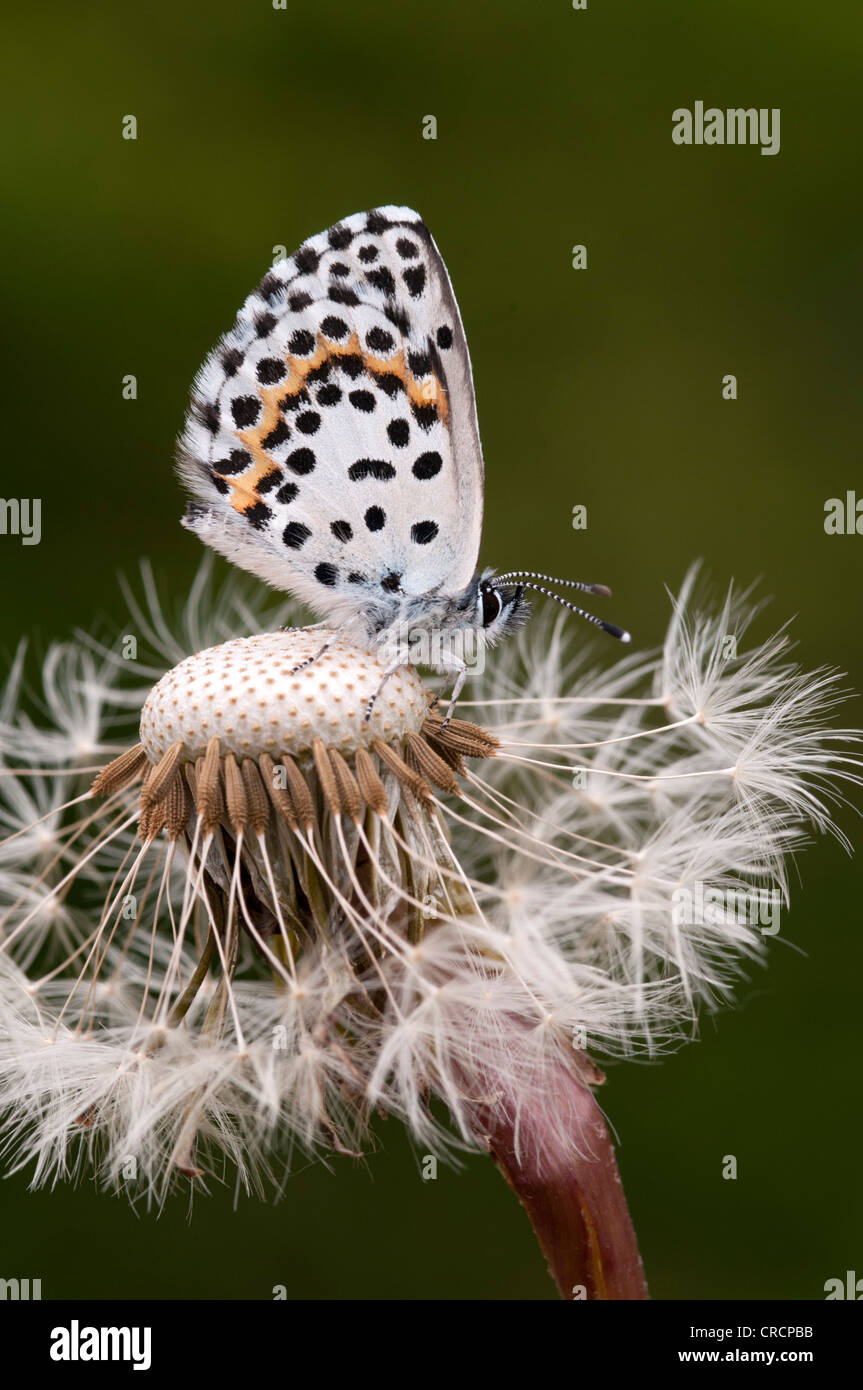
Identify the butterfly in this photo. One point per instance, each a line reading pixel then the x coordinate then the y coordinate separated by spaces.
pixel 332 446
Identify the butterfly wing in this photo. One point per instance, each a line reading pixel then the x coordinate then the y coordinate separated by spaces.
pixel 332 444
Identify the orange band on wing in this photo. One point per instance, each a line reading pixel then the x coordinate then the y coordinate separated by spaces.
pixel 430 391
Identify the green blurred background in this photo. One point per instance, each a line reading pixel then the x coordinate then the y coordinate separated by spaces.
pixel 259 127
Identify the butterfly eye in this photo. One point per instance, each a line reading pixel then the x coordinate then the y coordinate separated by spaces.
pixel 491 605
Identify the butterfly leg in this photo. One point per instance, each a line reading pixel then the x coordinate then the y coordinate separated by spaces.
pixel 461 676
pixel 458 685
pixel 390 671
pixel 301 666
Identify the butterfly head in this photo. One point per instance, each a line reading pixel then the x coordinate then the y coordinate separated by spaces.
pixel 500 609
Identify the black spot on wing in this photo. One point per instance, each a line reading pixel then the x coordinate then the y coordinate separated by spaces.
pixel 415 279
pixel 295 535
pixel 210 416
pixel 334 327
pixel 352 365
pixel 428 465
pixel 419 363
pixel 339 294
pixel 398 317
pixel 378 469
pixel 236 462
pixel 279 434
pixel 379 340
pixel 270 370
pixel 258 515
pixel 307 260
pixel 339 237
pixel 382 279
pixel 269 287
pixel 388 382
pixel 425 415
pixel 232 360
pixel 245 410
pixel 301 461
pixel 377 222
pixel 399 432
pixel 270 480
pixel 264 325
pixel 301 343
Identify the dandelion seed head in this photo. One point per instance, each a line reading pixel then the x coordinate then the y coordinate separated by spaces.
pixel 272 917
pixel 255 694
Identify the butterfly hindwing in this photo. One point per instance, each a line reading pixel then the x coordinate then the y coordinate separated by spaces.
pixel 332 443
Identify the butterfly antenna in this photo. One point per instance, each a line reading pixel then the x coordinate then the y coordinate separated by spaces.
pixel 611 628
pixel 601 589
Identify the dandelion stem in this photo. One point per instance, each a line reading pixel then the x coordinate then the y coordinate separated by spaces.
pixel 568 1184
pixel 181 1007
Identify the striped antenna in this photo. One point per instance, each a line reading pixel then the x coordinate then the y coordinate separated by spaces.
pixel 518 577
pixel 601 589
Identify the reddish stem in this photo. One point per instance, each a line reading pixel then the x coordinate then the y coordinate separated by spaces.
pixel 569 1186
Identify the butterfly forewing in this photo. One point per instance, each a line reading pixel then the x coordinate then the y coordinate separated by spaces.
pixel 332 443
